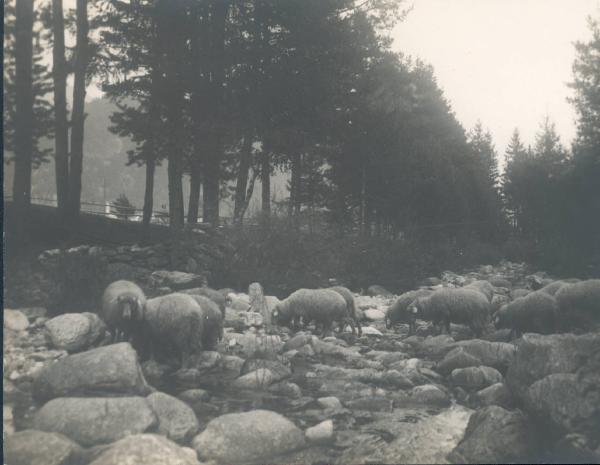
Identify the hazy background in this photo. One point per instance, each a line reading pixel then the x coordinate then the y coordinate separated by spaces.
pixel 505 62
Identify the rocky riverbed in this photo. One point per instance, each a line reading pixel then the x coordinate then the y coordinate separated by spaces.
pixel 386 397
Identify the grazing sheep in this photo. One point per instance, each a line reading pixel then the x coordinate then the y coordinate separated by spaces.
pixel 462 306
pixel 398 311
pixel 123 304
pixel 212 328
pixel 516 293
pixel 553 287
pixel 351 305
pixel 320 305
pixel 174 322
pixel 482 286
pixel 216 296
pixel 579 304
pixel 500 281
pixel 537 312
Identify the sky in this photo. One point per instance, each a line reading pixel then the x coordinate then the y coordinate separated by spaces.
pixel 504 62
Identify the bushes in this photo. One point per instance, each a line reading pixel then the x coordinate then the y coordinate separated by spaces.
pixel 284 257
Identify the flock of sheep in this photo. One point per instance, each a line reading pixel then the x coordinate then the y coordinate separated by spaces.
pixel 185 323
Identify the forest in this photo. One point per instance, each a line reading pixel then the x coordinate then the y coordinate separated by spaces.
pixel 383 183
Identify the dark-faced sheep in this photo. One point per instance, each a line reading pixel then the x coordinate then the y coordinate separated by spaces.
pixel 350 304
pixel 462 306
pixel 212 328
pixel 214 295
pixel 398 311
pixel 485 287
pixel 123 306
pixel 537 312
pixel 323 306
pixel 174 322
pixel 579 304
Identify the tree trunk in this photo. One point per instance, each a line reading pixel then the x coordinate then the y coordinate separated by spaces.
pixel 265 176
pixel 242 179
pixel 294 206
pixel 249 192
pixel 61 129
pixel 363 201
pixel 24 112
pixel 194 200
pixel 212 165
pixel 78 117
pixel 149 193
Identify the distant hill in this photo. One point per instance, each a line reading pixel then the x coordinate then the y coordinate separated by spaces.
pixel 106 176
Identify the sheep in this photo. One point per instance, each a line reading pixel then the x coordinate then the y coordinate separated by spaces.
pixel 553 287
pixel 216 296
pixel 500 281
pixel 463 306
pixel 516 293
pixel 579 304
pixel 482 286
pixel 398 311
pixel 350 304
pixel 537 312
pixel 123 306
pixel 174 322
pixel 320 305
pixel 212 328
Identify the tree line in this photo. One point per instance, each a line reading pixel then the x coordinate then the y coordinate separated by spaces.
pixel 226 91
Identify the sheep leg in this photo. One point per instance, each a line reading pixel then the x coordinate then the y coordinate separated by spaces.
pixel 358 327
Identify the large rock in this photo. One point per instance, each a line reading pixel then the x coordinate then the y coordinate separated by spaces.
pixel 96 420
pixel 496 394
pixel 146 449
pixel 475 378
pixel 15 320
pixel 297 341
pixel 495 435
pixel 257 379
pixel 322 433
pixel 75 332
pixel 245 437
pixel 456 358
pixel 278 369
pixel 176 420
pixel 373 314
pixel 538 356
pixel 429 394
pixel 106 370
pixel 31 447
pixel 176 280
pixel 498 355
pixel 251 345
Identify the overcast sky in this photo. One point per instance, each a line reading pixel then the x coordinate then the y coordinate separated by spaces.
pixel 505 62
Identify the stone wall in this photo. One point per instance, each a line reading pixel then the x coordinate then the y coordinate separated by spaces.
pixel 73 279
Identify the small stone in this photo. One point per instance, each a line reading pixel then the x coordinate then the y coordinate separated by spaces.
pixel 257 379
pixel 322 433
pixel 329 402
pixel 373 314
pixel 15 320
pixel 192 396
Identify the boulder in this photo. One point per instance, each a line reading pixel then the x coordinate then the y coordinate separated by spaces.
pixel 538 356
pixel 431 346
pixel 176 420
pixel 192 396
pixel 495 435
pixel 286 389
pixel 257 379
pixel 96 420
pixel 176 280
pixel 297 341
pixel 329 402
pixel 31 447
pixel 321 434
pixel 475 378
pixel 106 370
pixel 496 394
pixel 429 394
pixel 370 331
pixel 146 449
pixel 15 320
pixel 371 404
pixel 456 358
pixel 277 369
pixel 247 437
pixel 373 314
pixel 75 332
pixel 498 355
pixel 251 318
pixel 250 345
